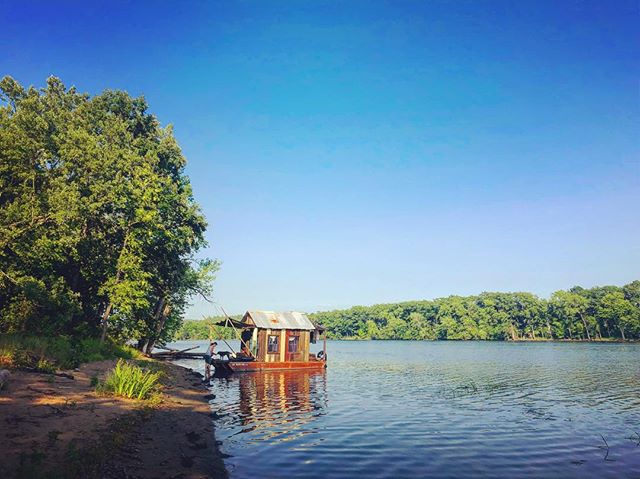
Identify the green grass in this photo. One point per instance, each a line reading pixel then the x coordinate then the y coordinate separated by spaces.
pixel 47 354
pixel 130 381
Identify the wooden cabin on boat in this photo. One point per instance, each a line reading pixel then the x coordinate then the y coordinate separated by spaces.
pixel 273 340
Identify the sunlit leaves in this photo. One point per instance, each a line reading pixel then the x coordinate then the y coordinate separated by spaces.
pixel 97 218
pixel 579 314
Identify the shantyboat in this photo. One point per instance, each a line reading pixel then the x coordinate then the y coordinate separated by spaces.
pixel 273 341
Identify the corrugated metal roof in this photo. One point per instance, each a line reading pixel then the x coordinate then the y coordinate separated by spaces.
pixel 282 320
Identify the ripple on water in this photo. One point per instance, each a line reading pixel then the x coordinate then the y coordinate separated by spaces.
pixel 438 409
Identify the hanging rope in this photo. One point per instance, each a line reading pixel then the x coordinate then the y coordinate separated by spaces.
pixel 242 342
pixel 228 322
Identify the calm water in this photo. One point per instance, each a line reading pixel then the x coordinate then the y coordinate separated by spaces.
pixel 386 409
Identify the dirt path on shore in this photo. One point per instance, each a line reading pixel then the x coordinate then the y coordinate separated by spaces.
pixel 53 426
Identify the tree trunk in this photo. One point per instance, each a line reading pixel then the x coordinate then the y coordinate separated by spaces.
pixel 75 278
pixel 149 342
pixel 107 312
pixel 622 333
pixel 586 328
pixel 598 332
pixel 164 308
pixel 105 317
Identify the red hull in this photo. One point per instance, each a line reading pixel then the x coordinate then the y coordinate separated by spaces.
pixel 250 366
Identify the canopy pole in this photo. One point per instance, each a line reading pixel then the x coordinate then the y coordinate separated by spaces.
pixel 212 329
pixel 324 346
pixel 225 341
pixel 228 320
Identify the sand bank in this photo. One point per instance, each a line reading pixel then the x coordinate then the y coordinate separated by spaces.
pixel 53 426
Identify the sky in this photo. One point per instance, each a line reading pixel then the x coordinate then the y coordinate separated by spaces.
pixel 353 153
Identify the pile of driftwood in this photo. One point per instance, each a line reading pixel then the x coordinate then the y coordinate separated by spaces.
pixel 169 354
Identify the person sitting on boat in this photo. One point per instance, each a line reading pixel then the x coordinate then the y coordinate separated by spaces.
pixel 245 338
pixel 244 354
pixel 208 359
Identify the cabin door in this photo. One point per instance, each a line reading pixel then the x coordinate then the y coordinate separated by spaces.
pixel 292 345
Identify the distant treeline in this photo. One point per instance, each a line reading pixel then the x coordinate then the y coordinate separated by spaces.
pixel 192 329
pixel 607 312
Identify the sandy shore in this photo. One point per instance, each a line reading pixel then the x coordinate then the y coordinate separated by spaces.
pixel 53 426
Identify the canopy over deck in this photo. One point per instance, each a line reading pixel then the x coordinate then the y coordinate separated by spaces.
pixel 234 322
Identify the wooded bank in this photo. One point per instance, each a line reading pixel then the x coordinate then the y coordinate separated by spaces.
pixel 604 313
pixel 98 224
pixel 600 313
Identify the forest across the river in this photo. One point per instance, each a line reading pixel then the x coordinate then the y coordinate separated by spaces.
pixel 599 313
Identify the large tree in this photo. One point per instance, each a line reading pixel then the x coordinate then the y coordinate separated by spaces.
pixel 571 310
pixel 98 225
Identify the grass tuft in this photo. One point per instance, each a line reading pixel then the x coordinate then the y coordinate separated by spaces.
pixel 130 381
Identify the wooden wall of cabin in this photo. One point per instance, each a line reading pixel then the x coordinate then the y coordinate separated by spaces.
pixel 304 340
pixel 283 345
pixel 263 341
pixel 262 345
pixel 303 345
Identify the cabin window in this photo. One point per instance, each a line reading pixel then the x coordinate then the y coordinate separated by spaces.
pixel 272 344
pixel 293 344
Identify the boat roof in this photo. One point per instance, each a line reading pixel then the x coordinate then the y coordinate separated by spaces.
pixel 279 320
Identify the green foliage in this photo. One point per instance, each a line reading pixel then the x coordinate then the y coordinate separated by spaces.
pixel 619 313
pixel 46 353
pixel 98 225
pixel 130 381
pixel 607 312
pixel 193 329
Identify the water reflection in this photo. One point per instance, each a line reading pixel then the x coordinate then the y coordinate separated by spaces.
pixel 274 406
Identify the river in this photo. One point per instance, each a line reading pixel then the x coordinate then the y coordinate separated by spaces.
pixel 388 409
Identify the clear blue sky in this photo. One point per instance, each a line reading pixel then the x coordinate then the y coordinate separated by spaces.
pixel 363 152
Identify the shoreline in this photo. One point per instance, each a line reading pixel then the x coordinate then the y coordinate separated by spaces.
pixel 523 340
pixel 600 341
pixel 54 426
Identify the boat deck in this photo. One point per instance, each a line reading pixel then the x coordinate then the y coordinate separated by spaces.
pixel 228 367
